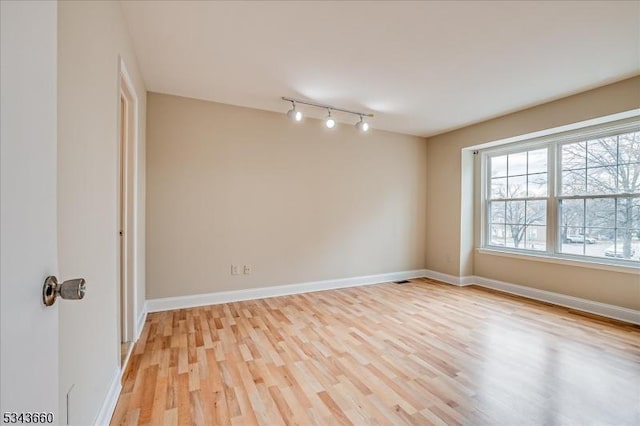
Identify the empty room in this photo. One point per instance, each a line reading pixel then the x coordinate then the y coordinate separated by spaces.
pixel 320 212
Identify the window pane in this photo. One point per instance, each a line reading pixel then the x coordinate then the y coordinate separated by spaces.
pixel 573 156
pixel 517 164
pixel 628 214
pixel 602 152
pixel 499 188
pixel 601 180
pixel 573 182
pixel 572 213
pixel 602 235
pixel 601 212
pixel 635 215
pixel 536 238
pixel 572 240
pixel 517 187
pixel 497 237
pixel 629 147
pixel 629 178
pixel 537 186
pixel 499 166
pixel 497 211
pixel 536 212
pixel 624 248
pixel 591 236
pixel 537 161
pixel 573 235
pixel 515 236
pixel 515 212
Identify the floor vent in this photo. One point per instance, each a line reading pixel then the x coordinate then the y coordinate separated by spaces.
pixel 402 282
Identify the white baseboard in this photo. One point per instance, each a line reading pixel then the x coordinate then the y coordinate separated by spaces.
pixel 446 278
pixel 110 401
pixel 598 308
pixel 468 280
pixel 140 325
pixel 590 306
pixel 180 302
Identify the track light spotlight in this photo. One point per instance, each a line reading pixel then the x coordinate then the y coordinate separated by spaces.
pixel 329 121
pixel 362 125
pixel 294 114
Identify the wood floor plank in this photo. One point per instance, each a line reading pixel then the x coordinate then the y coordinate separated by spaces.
pixel 420 353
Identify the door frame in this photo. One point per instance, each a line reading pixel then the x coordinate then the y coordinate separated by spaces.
pixel 127 194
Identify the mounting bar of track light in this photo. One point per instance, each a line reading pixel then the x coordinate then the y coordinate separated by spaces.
pixel 327 107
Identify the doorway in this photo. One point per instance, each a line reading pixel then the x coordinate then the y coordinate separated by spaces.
pixel 126 214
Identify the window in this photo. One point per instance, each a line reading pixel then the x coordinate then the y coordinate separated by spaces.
pixel 518 199
pixel 572 195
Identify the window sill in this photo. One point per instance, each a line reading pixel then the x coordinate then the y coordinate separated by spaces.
pixel 593 264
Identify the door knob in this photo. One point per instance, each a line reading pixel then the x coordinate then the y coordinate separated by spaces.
pixel 71 289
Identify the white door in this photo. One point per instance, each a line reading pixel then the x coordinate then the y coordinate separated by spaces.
pixel 28 251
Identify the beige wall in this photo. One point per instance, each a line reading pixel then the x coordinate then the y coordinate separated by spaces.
pixel 295 201
pixel 448 208
pixel 92 36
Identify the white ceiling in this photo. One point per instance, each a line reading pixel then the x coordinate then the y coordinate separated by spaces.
pixel 421 67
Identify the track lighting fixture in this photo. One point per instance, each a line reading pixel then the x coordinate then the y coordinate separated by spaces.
pixel 362 125
pixel 329 121
pixel 294 114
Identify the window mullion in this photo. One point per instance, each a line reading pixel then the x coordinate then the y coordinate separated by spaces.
pixel 486 175
pixel 519 199
pixel 615 224
pixel 553 169
pixel 618 163
pixel 603 196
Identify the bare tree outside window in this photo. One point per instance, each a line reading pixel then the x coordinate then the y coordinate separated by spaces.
pixel 597 199
pixel 606 172
pixel 518 186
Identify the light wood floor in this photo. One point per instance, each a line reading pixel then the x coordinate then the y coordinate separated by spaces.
pixel 418 353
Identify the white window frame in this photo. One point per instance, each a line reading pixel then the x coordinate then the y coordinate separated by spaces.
pixel 553 142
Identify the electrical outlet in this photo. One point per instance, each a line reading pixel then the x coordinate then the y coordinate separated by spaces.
pixel 235 270
pixel 247 269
